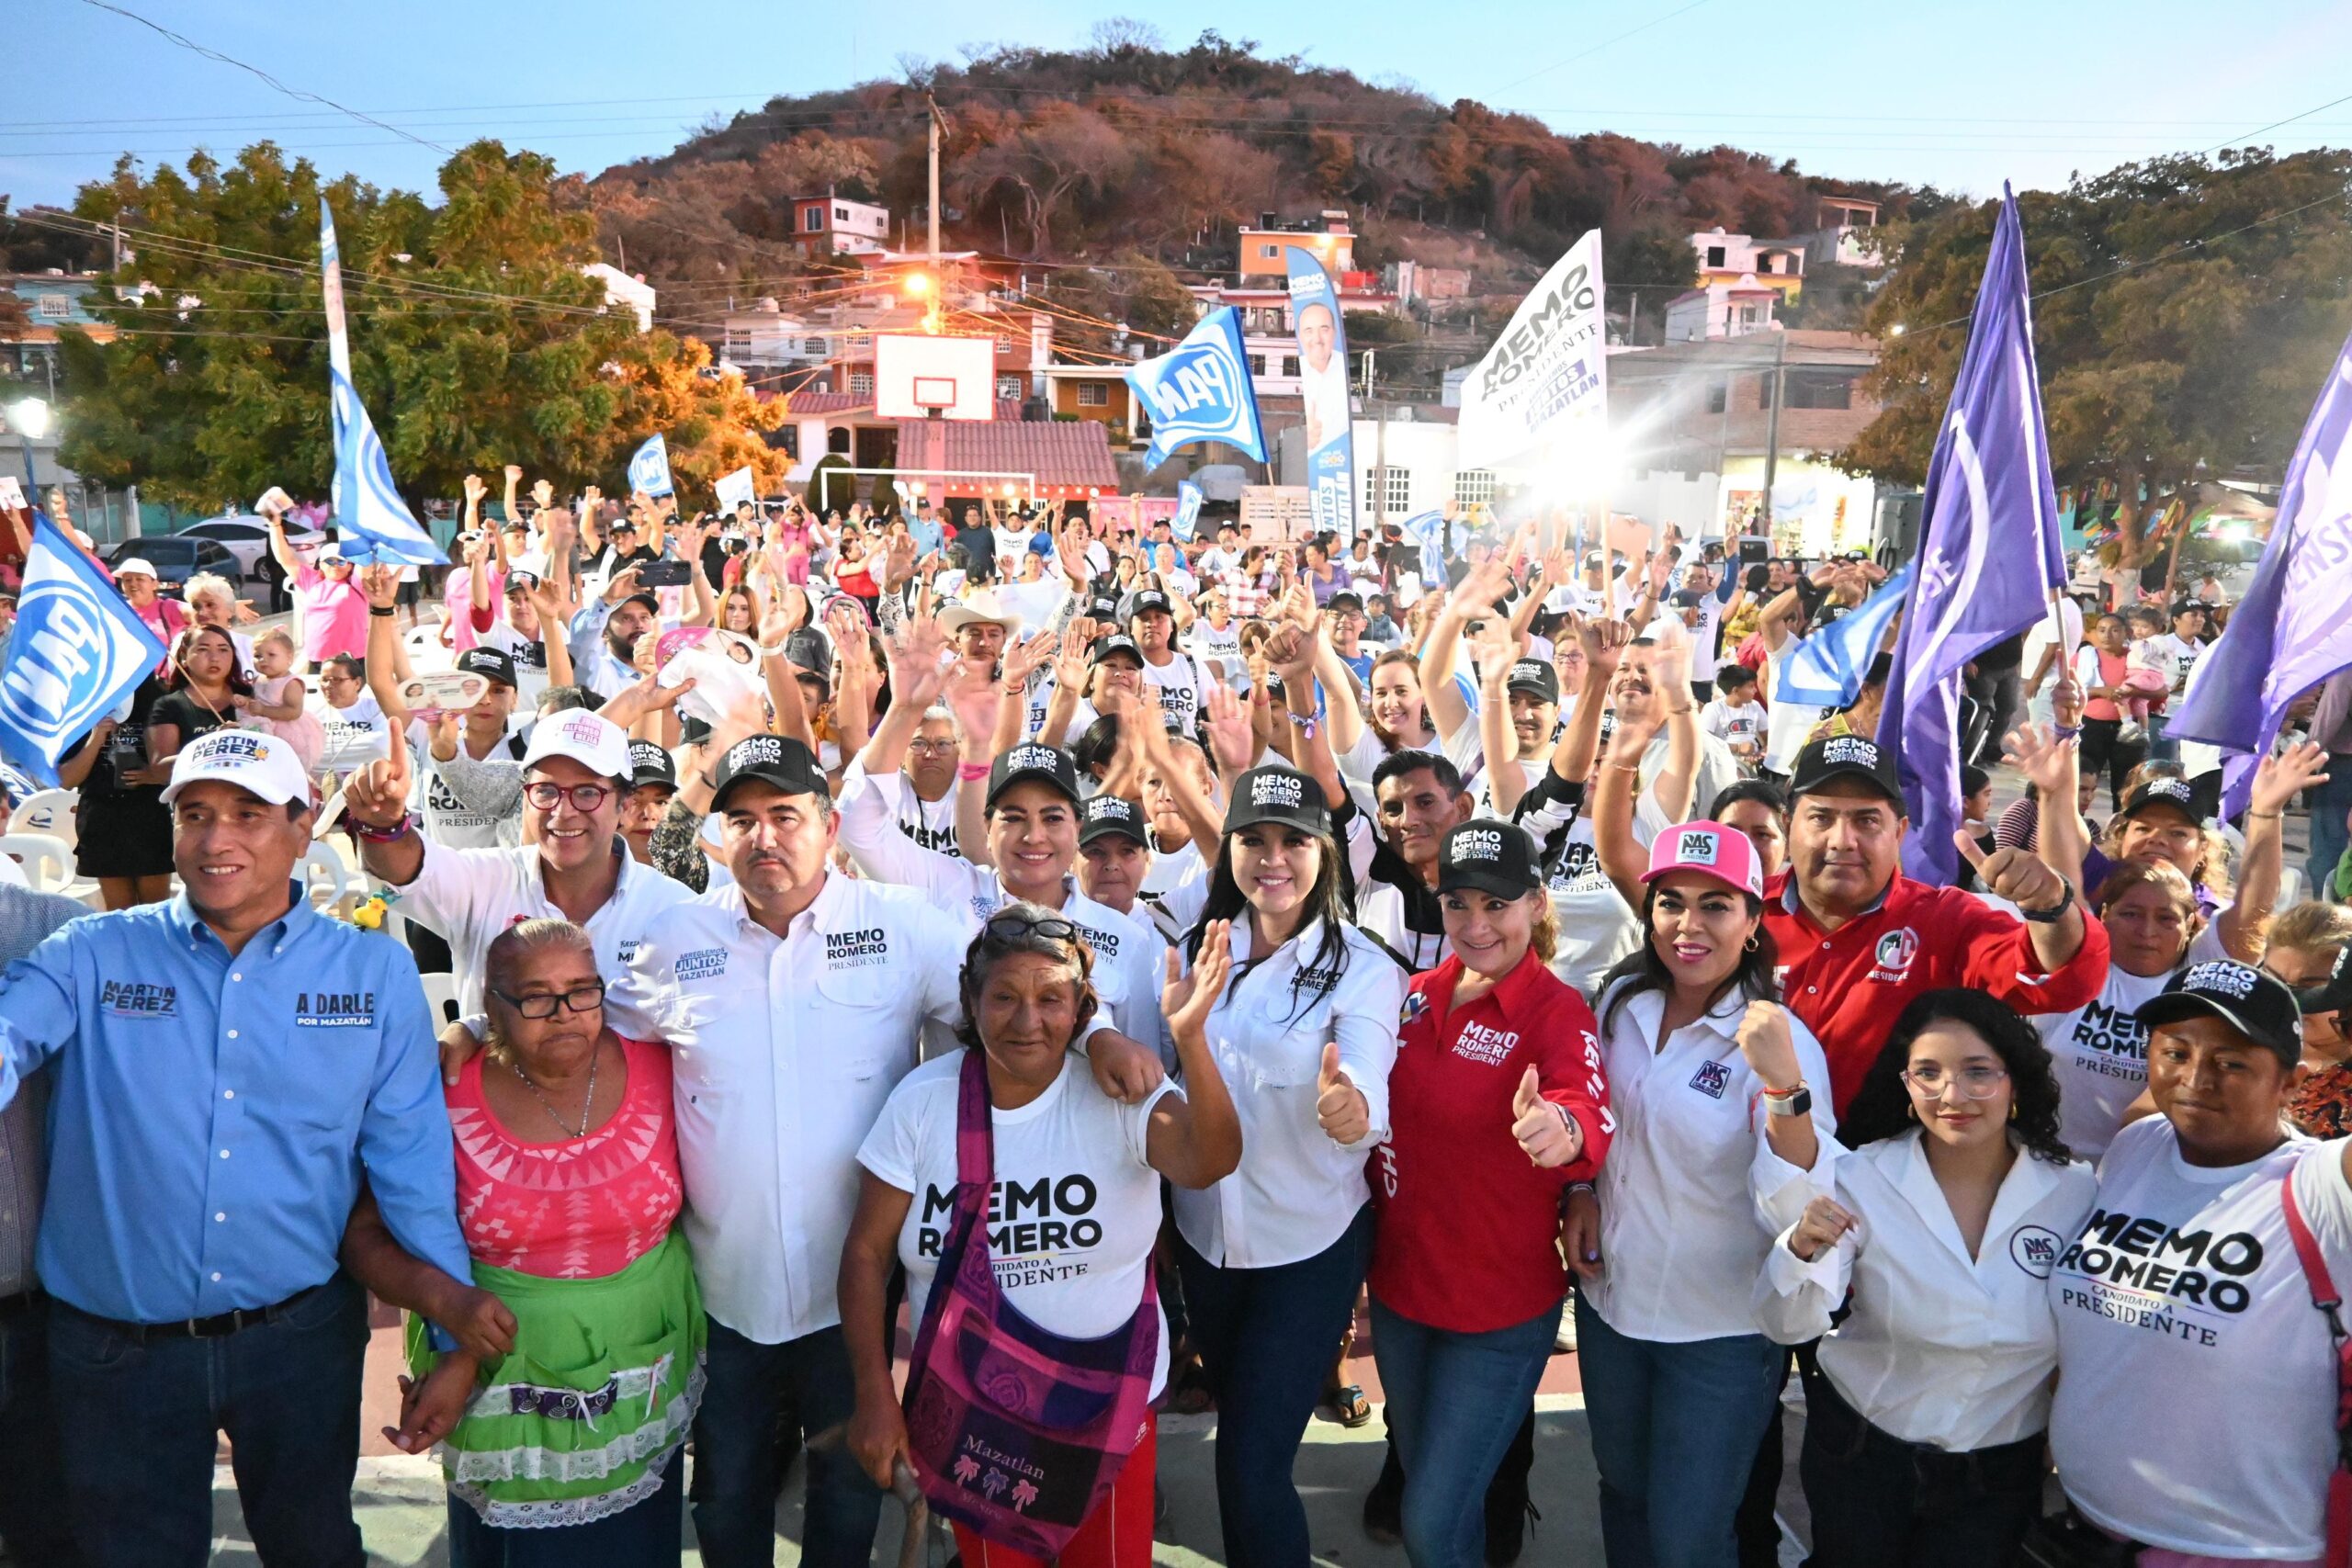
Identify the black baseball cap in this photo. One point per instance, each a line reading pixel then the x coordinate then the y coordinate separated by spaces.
pixel 777 759
pixel 1488 856
pixel 1537 677
pixel 490 663
pixel 1028 761
pixel 650 765
pixel 1846 757
pixel 645 597
pixel 1110 814
pixel 1141 601
pixel 2258 1005
pixel 2177 794
pixel 1345 599
pixel 1117 642
pixel 1277 794
pixel 2333 994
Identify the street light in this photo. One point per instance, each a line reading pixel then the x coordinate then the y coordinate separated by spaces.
pixel 31 416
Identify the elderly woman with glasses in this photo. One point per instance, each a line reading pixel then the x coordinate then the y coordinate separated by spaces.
pixel 566 1450
pixel 1072 1235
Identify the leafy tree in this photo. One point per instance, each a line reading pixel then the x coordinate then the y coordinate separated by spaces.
pixel 2189 311
pixel 476 338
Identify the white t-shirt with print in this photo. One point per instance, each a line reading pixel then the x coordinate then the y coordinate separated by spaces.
pixel 1076 1207
pixel 2099 1054
pixel 2196 1384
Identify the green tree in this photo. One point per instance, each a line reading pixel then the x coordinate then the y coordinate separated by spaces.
pixel 2187 313
pixel 476 338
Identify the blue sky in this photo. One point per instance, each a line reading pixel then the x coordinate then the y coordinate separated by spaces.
pixel 1959 96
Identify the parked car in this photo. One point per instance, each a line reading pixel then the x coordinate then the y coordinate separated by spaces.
pixel 247 538
pixel 176 558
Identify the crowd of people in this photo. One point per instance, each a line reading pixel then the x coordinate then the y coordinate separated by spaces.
pixel 1141 960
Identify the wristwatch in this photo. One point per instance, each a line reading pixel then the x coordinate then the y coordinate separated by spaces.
pixel 2043 917
pixel 1797 1102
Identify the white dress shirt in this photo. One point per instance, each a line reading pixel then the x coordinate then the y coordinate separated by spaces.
pixel 1129 965
pixel 1940 1349
pixel 1296 1189
pixel 1692 1193
pixel 783 1051
pixel 470 895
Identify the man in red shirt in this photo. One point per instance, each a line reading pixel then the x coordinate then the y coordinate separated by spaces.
pixel 1858 940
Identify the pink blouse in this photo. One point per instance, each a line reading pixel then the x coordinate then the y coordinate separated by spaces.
pixel 569 1208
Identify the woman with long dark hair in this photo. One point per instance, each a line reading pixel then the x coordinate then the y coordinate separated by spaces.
pixel 1721 1102
pixel 1926 1409
pixel 201 690
pixel 1272 1256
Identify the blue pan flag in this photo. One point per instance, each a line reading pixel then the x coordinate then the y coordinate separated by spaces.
pixel 1186 524
pixel 1826 669
pixel 649 472
pixel 372 523
pixel 1988 561
pixel 1199 390
pixel 78 651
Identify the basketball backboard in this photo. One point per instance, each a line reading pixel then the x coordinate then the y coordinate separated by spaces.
pixel 920 377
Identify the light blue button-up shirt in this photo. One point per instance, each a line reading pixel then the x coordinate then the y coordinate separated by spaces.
pixel 211 1116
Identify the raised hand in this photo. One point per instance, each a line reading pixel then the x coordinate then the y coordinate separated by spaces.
pixel 2048 760
pixel 2278 779
pixel 1186 1001
pixel 1820 1226
pixel 1764 1039
pixel 1340 1109
pixel 475 490
pixel 1078 640
pixel 1233 740
pixel 1545 1133
pixel 972 694
pixel 513 472
pixel 381 584
pixel 542 494
pixel 377 793
pixel 914 654
pixel 2018 876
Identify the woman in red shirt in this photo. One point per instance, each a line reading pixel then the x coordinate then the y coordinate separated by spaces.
pixel 1497 1104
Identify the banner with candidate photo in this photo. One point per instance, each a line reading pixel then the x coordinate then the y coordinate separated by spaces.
pixel 1201 390
pixel 77 653
pixel 1323 387
pixel 1545 385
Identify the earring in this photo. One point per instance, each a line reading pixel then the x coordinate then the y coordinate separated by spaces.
pixel 1910 1112
pixel 2013 1110
pixel 1751 943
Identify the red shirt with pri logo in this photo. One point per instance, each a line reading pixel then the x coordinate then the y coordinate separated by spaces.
pixel 1467 1237
pixel 1849 984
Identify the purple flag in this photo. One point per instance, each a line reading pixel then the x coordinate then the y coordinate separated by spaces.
pixel 1988 556
pixel 2291 631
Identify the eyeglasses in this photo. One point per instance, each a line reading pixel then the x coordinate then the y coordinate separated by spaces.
pixel 1018 928
pixel 582 998
pixel 584 797
pixel 932 747
pixel 1975 1082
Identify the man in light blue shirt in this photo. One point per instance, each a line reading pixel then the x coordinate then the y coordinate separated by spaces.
pixel 925 530
pixel 227 1068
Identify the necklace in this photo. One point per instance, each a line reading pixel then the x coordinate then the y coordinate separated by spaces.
pixel 586 1106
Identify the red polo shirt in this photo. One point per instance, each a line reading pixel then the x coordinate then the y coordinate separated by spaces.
pixel 1849 984
pixel 1468 1232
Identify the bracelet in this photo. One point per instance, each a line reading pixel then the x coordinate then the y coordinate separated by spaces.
pixel 1796 1088
pixel 2066 732
pixel 385 611
pixel 376 835
pixel 970 771
pixel 1633 768
pixel 1581 1187
pixel 2265 816
pixel 2045 917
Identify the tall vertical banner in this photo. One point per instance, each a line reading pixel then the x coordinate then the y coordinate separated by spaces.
pixel 78 650
pixel 1323 383
pixel 368 511
pixel 1543 387
pixel 2291 631
pixel 1989 559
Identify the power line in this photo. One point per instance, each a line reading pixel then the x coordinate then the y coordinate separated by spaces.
pixel 1604 43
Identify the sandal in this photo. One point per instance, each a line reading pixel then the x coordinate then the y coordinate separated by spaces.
pixel 1349 1407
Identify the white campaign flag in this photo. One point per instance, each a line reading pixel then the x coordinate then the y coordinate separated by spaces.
pixel 736 490
pixel 1544 383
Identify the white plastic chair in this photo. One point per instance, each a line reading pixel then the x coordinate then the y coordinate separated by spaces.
pixel 50 811
pixel 424 650
pixel 48 861
pixel 326 875
pixel 441 996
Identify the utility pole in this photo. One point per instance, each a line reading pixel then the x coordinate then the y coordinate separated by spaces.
pixel 1772 426
pixel 937 122
pixel 1379 410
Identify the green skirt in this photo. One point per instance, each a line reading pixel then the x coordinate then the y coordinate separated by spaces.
pixel 578 1421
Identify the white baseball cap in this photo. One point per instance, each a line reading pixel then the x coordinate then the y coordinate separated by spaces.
pixel 259 764
pixel 136 564
pixel 594 741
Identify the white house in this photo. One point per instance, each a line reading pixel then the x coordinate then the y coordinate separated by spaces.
pixel 625 292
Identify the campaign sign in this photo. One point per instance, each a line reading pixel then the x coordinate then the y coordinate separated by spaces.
pixel 1186 524
pixel 1323 387
pixel 649 470
pixel 78 650
pixel 1199 390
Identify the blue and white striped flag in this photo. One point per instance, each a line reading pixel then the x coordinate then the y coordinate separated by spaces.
pixel 649 472
pixel 1427 529
pixel 1186 524
pixel 78 650
pixel 1826 669
pixel 371 520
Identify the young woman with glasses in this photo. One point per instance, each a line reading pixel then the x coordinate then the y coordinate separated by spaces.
pixel 1927 1408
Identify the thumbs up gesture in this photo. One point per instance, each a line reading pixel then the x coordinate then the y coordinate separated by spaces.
pixel 2019 875
pixel 1548 1134
pixel 1339 1106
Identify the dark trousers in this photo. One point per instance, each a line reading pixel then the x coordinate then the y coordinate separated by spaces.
pixel 31 1479
pixel 139 1422
pixel 739 1452
pixel 1265 1337
pixel 2106 753
pixel 2000 699
pixel 1876 1499
pixel 647 1534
